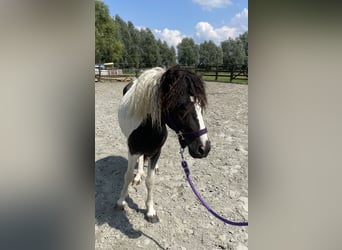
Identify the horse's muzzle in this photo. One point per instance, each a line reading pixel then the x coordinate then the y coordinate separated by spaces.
pixel 198 150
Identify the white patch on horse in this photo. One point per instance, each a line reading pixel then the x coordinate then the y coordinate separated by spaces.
pixel 204 137
pixel 139 101
pixel 150 185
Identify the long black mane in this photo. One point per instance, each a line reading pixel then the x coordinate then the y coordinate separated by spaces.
pixel 177 83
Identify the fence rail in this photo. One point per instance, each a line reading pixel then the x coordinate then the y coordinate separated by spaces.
pixel 213 73
pixel 221 73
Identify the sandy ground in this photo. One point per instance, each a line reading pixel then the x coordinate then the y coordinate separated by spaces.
pixel 221 179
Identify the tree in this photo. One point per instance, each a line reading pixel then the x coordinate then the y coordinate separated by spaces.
pixel 210 54
pixel 188 52
pixel 121 42
pixel 234 56
pixel 168 55
pixel 140 47
pixel 172 59
pixel 150 54
pixel 107 46
pixel 124 37
pixel 244 39
pixel 134 50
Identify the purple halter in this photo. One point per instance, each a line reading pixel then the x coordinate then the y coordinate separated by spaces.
pixel 183 135
pixel 192 135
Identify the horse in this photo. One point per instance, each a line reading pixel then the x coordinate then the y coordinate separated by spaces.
pixel 175 97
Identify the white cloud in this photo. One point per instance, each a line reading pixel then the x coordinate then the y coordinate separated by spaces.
pixel 211 4
pixel 237 25
pixel 240 20
pixel 172 37
pixel 205 31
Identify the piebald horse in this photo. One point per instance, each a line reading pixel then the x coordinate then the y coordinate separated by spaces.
pixel 175 97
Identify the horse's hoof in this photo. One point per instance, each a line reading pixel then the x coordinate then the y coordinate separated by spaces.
pixel 119 207
pixel 152 219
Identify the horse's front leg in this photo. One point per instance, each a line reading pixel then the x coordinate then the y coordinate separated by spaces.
pixel 151 214
pixel 132 159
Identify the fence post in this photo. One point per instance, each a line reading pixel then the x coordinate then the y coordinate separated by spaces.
pixel 216 73
pixel 99 73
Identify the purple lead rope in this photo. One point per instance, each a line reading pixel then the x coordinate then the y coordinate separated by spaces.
pixel 187 173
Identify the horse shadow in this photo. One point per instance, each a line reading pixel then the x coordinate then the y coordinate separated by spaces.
pixel 109 179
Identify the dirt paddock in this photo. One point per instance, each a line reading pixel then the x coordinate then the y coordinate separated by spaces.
pixel 221 179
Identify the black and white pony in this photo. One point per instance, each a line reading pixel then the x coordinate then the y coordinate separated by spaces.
pixel 157 98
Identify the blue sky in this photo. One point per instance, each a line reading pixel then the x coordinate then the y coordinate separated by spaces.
pixel 171 21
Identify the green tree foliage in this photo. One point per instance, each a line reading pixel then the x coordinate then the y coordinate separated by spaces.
pixel 233 52
pixel 130 37
pixel 134 50
pixel 129 47
pixel 210 54
pixel 168 55
pixel 188 52
pixel 150 53
pixel 107 46
pixel 234 56
pixel 141 49
pixel 124 37
pixel 244 39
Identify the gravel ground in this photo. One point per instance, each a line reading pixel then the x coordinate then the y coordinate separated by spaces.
pixel 221 178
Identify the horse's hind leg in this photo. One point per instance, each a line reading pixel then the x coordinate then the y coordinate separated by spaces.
pixel 151 214
pixel 132 159
pixel 140 174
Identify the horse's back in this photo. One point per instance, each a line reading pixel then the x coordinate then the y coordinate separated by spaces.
pixel 127 122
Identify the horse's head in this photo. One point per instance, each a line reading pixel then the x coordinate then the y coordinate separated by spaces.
pixel 183 99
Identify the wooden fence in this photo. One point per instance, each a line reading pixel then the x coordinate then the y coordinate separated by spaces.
pixel 212 73
pixel 219 73
pixel 111 74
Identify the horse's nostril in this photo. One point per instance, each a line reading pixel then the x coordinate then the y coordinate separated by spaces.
pixel 201 149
